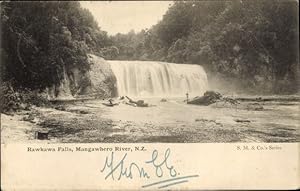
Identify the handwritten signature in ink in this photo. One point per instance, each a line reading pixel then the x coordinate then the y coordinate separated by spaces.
pixel 117 170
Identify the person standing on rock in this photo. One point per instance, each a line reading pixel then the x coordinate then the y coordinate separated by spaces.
pixel 187 97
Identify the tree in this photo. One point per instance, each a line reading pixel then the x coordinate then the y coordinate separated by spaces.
pixel 253 41
pixel 46 40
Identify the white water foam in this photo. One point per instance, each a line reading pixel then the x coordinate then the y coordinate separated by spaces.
pixel 158 79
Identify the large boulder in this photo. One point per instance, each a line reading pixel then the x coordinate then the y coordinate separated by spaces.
pixel 103 80
pixel 208 98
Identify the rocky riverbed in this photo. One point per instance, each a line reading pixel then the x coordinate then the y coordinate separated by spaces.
pixel 253 119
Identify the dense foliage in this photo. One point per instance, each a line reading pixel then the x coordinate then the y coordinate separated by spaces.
pixel 253 41
pixel 42 41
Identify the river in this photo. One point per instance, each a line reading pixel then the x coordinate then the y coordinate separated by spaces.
pixel 168 118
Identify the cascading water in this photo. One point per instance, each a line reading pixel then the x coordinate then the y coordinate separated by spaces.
pixel 158 79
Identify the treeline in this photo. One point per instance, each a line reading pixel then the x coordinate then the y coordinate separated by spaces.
pixel 43 41
pixel 254 42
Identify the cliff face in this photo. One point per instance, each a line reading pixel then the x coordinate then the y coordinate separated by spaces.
pixel 99 82
pixel 103 82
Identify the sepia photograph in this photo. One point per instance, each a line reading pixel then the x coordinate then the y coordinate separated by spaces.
pixel 150 71
pixel 150 95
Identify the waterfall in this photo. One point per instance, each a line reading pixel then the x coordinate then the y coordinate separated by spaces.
pixel 158 79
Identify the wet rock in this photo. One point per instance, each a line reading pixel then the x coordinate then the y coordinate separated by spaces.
pixel 42 135
pixel 139 103
pixel 83 112
pixel 205 120
pixel 255 107
pixel 259 108
pixel 60 107
pixel 242 121
pixel 208 98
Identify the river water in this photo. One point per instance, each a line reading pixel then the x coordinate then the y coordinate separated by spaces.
pixel 174 121
pixel 168 118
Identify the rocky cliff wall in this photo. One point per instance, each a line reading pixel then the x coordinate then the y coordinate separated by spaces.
pixel 99 82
